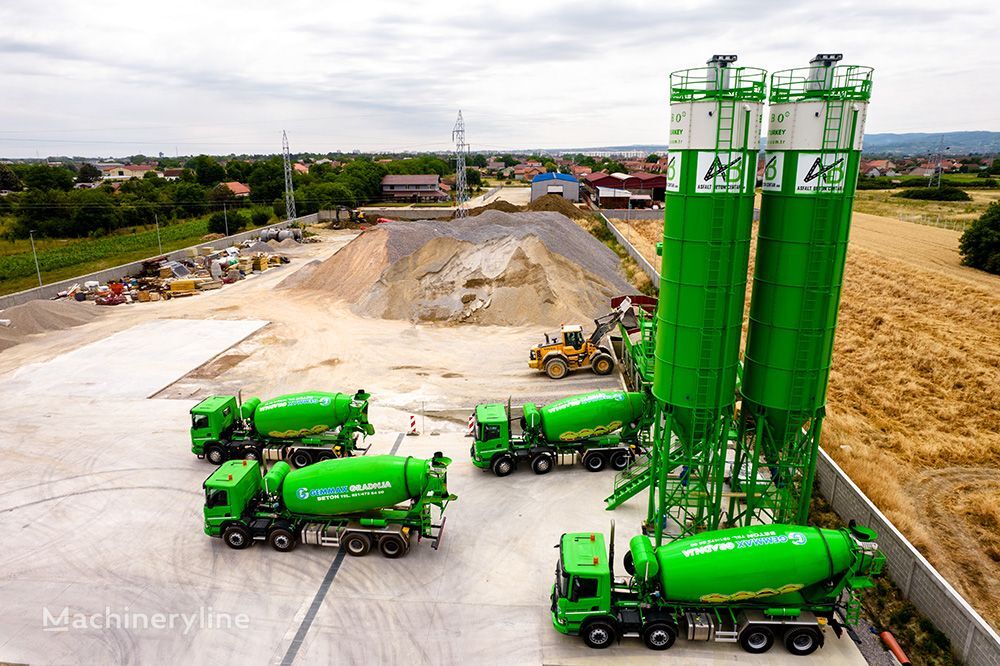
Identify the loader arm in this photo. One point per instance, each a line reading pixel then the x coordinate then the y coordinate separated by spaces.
pixel 602 325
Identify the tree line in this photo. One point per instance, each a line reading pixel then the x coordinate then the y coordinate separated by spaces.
pixel 45 198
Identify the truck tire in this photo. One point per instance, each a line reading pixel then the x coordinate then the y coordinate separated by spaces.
pixel 215 454
pixel 392 546
pixel 251 454
pixel 802 641
pixel 301 458
pixel 602 364
pixel 598 634
pixel 503 465
pixel 556 368
pixel 326 455
pixel 281 540
pixel 756 639
pixel 594 462
pixel 237 537
pixel 619 460
pixel 541 464
pixel 357 545
pixel 659 635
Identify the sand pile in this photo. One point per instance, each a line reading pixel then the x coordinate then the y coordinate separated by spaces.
pixel 556 204
pixel 500 205
pixel 41 316
pixel 495 268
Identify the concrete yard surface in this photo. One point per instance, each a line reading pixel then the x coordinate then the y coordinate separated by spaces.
pixel 105 558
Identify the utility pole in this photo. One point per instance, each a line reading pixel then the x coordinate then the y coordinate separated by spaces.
pixel 461 191
pixel 225 218
pixel 156 221
pixel 31 235
pixel 289 190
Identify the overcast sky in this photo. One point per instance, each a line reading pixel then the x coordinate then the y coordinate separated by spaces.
pixel 118 78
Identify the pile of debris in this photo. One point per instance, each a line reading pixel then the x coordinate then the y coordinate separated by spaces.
pixel 495 268
pixel 204 269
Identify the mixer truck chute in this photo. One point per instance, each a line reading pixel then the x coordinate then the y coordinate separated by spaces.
pixel 302 428
pixel 750 585
pixel 601 429
pixel 358 503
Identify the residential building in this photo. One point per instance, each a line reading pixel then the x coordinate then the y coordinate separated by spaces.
pixel 172 174
pixel 239 190
pixel 124 172
pixel 563 184
pixel 422 187
pixel 300 167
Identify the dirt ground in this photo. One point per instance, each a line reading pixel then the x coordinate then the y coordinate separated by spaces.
pixel 914 397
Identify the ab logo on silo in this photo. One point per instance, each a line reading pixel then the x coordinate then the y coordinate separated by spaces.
pixel 673 172
pixel 720 172
pixel 774 167
pixel 820 173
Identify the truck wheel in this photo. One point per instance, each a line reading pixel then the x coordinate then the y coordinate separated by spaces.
pixel 619 460
pixel 542 464
pixel 802 641
pixel 251 454
pixel 392 546
pixel 659 635
pixel 602 364
pixel 215 454
pixel 598 634
pixel 324 456
pixel 556 368
pixel 594 462
pixel 237 537
pixel 357 545
pixel 301 458
pixel 756 639
pixel 503 465
pixel 281 540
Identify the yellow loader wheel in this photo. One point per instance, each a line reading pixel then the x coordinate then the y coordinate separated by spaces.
pixel 556 368
pixel 602 364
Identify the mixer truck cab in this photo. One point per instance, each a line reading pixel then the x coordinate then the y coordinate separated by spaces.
pixel 599 429
pixel 360 504
pixel 753 586
pixel 301 428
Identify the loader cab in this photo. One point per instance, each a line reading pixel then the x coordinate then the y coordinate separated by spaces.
pixel 211 419
pixel 228 491
pixel 573 337
pixel 582 588
pixel 492 434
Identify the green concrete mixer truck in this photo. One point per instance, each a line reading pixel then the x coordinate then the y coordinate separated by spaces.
pixel 748 585
pixel 302 428
pixel 355 503
pixel 602 428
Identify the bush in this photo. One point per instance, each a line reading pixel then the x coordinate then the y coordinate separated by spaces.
pixel 218 223
pixel 875 184
pixel 980 243
pixel 943 193
pixel 260 216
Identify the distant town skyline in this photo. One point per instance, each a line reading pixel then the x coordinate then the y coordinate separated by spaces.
pixel 185 78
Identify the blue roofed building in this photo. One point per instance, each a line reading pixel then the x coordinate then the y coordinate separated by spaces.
pixel 562 184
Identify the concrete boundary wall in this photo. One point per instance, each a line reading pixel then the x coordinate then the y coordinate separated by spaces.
pixel 124 270
pixel 392 213
pixel 634 214
pixel 972 639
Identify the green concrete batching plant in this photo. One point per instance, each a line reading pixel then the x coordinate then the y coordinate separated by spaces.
pixel 715 116
pixel 815 129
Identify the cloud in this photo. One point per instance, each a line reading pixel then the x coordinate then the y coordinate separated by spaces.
pixel 227 76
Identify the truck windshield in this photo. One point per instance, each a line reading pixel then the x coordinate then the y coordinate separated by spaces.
pixel 199 421
pixel 215 497
pixel 488 432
